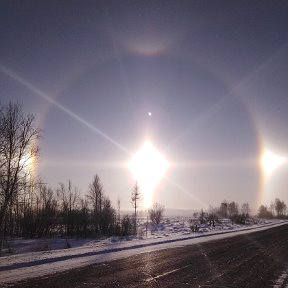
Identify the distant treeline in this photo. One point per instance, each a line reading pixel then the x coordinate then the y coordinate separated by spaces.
pixel 277 209
pixel 239 215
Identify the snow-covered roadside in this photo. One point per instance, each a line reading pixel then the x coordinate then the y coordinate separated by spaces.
pixel 22 266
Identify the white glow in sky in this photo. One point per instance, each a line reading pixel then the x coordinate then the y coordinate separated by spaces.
pixel 271 161
pixel 148 166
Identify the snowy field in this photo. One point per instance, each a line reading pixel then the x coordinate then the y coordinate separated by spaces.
pixel 39 257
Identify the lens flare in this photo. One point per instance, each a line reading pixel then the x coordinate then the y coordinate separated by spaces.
pixel 148 166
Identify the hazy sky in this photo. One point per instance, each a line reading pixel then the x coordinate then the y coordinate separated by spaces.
pixel 212 73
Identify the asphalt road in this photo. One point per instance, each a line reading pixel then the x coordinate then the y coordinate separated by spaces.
pixel 252 260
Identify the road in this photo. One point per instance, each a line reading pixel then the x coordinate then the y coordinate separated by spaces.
pixel 258 259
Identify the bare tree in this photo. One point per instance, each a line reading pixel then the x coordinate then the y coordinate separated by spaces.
pixel 95 194
pixel 68 196
pixel 107 217
pixel 280 207
pixel 46 215
pixel 233 211
pixel 202 217
pixel 272 208
pixel 212 216
pixel 245 209
pixel 135 198
pixel 69 200
pixel 156 213
pixel 118 211
pixel 263 212
pixel 18 147
pixel 223 210
pixel 126 225
pixel 83 219
pixel 95 198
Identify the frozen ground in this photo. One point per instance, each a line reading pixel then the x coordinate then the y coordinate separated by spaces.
pixel 172 233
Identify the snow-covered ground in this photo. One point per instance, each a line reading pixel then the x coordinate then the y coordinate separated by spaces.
pixel 29 261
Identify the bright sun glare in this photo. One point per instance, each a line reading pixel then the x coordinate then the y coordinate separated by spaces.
pixel 271 161
pixel 148 166
pixel 27 164
pixel 26 161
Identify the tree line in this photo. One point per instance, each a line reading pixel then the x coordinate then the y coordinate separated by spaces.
pixel 29 208
pixel 277 209
pixel 237 214
pixel 227 210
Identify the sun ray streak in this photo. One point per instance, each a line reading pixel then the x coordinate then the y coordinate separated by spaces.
pixel 69 112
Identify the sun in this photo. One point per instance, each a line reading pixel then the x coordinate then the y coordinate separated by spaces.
pixel 27 162
pixel 271 161
pixel 148 166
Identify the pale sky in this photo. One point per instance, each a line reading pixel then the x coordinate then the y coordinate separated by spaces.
pixel 213 75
